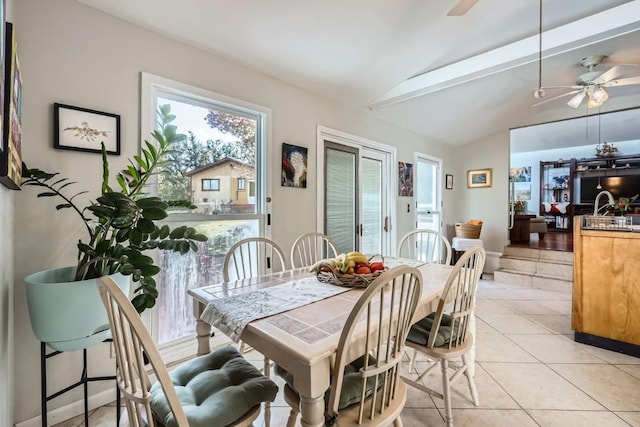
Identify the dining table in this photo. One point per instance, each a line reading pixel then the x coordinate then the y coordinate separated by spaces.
pixel 303 339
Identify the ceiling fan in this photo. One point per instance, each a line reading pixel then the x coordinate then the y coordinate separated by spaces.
pixel 592 84
pixel 461 7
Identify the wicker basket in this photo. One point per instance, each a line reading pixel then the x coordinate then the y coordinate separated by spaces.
pixel 335 277
pixel 468 231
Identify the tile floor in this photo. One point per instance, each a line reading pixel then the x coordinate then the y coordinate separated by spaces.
pixel 529 372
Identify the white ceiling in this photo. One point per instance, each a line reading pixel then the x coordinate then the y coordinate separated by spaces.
pixel 355 51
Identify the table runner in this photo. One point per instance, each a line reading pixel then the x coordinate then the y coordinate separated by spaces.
pixel 232 314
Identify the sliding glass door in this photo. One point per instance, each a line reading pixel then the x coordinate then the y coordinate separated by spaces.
pixel 355 202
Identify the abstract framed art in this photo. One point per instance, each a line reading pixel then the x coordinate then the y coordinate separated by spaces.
pixel 11 156
pixel 294 166
pixel 81 129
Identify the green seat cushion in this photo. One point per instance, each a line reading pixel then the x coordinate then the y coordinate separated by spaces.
pixel 419 332
pixel 351 384
pixel 215 390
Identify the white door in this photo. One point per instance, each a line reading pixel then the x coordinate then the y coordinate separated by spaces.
pixel 428 188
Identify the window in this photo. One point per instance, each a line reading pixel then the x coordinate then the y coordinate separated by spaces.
pixel 210 184
pixel 240 183
pixel 224 143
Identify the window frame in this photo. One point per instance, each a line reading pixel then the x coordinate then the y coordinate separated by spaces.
pixel 211 181
pixel 241 184
pixel 152 87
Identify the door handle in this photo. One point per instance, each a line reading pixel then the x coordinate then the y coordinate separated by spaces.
pixel 386 224
pixel 360 230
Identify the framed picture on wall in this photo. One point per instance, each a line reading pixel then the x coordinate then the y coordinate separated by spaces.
pixel 448 184
pixel 479 178
pixel 405 179
pixel 81 129
pixel 11 158
pixel 294 166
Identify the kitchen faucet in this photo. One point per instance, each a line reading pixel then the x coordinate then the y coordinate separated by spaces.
pixel 611 202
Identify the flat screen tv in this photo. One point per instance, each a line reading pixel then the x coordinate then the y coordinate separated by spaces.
pixel 619 186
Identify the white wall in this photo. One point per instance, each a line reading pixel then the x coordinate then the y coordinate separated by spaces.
pixel 7 238
pixel 76 55
pixel 487 204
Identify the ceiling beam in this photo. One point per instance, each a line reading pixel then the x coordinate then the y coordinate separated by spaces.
pixel 593 29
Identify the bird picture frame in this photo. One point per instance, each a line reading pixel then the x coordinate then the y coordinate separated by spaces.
pixel 82 129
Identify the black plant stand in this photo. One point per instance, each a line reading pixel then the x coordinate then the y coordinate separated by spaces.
pixel 84 381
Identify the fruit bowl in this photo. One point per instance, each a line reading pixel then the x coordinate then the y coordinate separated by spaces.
pixel 327 273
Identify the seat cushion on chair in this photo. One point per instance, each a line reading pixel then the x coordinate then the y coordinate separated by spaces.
pixel 351 385
pixel 215 390
pixel 419 332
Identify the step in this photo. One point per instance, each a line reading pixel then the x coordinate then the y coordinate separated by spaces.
pixel 533 280
pixel 549 269
pixel 542 254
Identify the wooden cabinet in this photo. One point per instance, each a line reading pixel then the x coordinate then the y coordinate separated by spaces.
pixel 606 289
pixel 556 194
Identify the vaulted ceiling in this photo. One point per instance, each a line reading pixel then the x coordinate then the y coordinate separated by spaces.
pixel 453 79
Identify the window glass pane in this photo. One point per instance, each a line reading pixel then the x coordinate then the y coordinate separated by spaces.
pixel 219 151
pixel 340 208
pixel 371 206
pixel 196 269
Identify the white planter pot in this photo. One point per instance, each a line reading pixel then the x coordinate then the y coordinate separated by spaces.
pixel 68 315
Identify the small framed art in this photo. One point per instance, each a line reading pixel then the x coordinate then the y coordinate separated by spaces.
pixel 294 166
pixel 479 178
pixel 81 129
pixel 11 153
pixel 448 184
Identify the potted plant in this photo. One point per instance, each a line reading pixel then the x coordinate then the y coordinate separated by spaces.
pixel 623 204
pixel 121 226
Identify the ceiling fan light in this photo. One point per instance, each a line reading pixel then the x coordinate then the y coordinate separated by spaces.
pixel 598 97
pixel 575 101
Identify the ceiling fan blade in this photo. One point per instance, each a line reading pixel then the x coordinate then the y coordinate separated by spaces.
pixel 577 100
pixel 623 82
pixel 563 87
pixel 573 92
pixel 613 73
pixel 462 7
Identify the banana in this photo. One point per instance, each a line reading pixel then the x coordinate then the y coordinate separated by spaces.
pixel 357 257
pixel 316 266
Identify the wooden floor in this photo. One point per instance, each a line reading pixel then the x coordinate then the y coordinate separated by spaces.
pixel 553 241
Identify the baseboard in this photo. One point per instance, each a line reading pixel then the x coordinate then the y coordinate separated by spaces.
pixel 72 409
pixel 492 261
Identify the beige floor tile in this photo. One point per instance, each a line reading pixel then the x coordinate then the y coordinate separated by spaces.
pixel 536 386
pixel 489 306
pixel 528 307
pixel 278 417
pixel 491 418
pixel 498 348
pixel 612 356
pixel 613 388
pixel 560 306
pixel 540 295
pixel 633 418
pixel 490 394
pixel 497 294
pixel 577 418
pixel 631 370
pixel 554 349
pixel 513 324
pixel 483 327
pixel 556 323
pixel 421 417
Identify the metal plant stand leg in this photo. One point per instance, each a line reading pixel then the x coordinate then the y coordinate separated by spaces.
pixel 84 381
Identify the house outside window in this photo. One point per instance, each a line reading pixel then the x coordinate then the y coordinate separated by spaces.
pixel 240 183
pixel 210 185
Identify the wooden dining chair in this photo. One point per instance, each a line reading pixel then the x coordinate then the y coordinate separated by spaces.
pixel 252 257
pixel 425 245
pixel 445 334
pixel 221 388
pixel 366 389
pixel 310 248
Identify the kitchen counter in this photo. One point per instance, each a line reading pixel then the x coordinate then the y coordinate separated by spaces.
pixel 606 289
